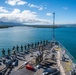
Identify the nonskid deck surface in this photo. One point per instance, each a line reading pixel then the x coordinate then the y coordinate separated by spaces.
pixel 67 64
pixel 47 59
pixel 63 66
pixel 23 71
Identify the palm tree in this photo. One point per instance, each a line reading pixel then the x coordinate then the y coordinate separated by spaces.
pixel 3 52
pixel 8 51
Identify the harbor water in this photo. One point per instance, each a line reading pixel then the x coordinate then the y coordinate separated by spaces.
pixel 14 36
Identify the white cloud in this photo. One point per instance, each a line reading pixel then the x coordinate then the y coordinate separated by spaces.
pixel 32 5
pixel 21 3
pixel 65 8
pixel 15 11
pixel 25 16
pixel 41 8
pixel 15 2
pixel 36 6
pixel 49 14
pixel 3 10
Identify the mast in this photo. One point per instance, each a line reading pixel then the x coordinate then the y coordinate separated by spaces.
pixel 53 27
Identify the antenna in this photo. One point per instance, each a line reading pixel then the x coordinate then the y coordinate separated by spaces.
pixel 53 27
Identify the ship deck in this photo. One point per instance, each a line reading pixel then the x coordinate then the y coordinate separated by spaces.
pixel 67 64
pixel 46 59
pixel 64 67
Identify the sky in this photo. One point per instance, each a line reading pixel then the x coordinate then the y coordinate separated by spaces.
pixel 38 11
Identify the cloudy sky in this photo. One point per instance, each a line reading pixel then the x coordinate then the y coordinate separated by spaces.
pixel 38 11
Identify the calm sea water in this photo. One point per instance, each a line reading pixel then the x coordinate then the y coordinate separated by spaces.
pixel 14 36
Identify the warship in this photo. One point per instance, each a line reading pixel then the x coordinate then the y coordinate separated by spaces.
pixel 44 58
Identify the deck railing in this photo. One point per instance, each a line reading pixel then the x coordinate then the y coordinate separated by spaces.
pixel 68 53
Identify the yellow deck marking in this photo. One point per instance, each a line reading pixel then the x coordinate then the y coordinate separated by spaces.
pixel 68 66
pixel 68 63
pixel 57 48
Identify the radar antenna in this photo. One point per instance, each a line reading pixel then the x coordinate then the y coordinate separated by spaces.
pixel 53 27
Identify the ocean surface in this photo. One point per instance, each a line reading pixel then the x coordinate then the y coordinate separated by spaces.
pixel 14 36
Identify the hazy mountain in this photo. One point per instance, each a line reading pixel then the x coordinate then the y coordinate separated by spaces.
pixel 44 26
pixel 9 24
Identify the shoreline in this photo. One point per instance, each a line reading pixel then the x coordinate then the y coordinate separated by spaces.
pixel 2 27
